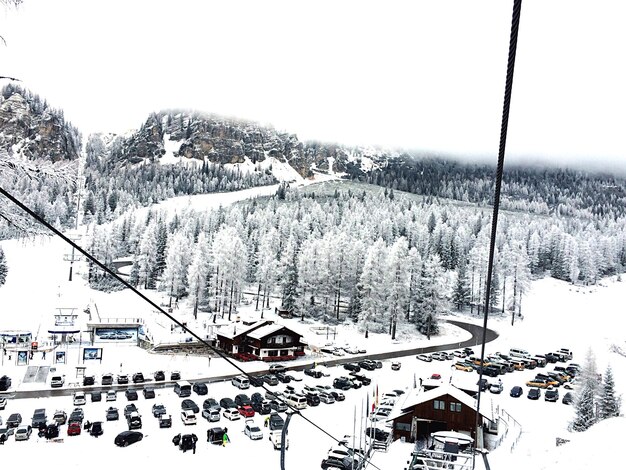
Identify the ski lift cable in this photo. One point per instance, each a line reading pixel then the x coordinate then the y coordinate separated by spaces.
pixel 185 328
pixel 517 5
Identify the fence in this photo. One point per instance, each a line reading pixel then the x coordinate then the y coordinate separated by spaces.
pixel 511 424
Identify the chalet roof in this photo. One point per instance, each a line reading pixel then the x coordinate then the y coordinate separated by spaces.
pixel 266 330
pixel 417 397
pixel 231 331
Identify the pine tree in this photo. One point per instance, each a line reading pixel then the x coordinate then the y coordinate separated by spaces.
pixel 609 403
pixel 431 300
pixel 585 409
pixel 4 270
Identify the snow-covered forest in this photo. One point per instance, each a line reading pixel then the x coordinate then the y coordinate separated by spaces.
pixel 112 186
pixel 355 251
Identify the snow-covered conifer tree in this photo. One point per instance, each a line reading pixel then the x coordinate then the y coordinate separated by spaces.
pixel 4 270
pixel 608 401
pixel 431 300
pixel 585 405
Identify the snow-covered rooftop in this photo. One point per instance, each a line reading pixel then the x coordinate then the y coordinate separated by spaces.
pixel 264 331
pixel 418 396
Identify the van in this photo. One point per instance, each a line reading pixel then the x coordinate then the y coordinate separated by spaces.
pixel 517 352
pixel 297 401
pixel 182 389
pixel 241 382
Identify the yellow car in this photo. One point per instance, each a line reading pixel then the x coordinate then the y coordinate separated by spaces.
pixel 538 383
pixel 463 366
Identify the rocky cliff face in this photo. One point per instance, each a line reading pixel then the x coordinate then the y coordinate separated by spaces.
pixel 229 141
pixel 29 127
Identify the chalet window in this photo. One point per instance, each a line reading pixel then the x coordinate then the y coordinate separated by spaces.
pixel 271 340
pixel 455 407
pixel 440 404
pixel 279 339
pixel 403 427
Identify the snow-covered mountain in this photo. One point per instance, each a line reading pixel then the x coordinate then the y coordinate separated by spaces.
pixel 171 136
pixel 30 128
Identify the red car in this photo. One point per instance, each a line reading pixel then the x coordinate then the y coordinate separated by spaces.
pixel 74 428
pixel 246 411
pixel 436 377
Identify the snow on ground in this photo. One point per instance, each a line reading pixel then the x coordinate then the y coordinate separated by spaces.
pixel 556 315
pixel 171 147
pixel 282 171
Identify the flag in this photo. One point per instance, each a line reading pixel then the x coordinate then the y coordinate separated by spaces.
pixel 367 406
pixel 376 394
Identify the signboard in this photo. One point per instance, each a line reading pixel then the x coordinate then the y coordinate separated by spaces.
pixel 59 357
pixel 34 345
pixel 22 358
pixel 92 353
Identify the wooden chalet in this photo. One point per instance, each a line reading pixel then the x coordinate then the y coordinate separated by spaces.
pixel 263 340
pixel 445 408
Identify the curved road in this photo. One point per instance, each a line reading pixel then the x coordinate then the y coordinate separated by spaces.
pixel 474 330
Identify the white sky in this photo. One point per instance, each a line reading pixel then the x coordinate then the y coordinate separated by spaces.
pixel 415 74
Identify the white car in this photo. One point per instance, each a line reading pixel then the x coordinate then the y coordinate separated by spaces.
pixel 396 365
pixel 460 354
pixel 79 399
pixel 276 438
pixel 326 397
pixel 23 432
pixel 57 381
pixel 425 357
pixel 111 395
pixel 252 430
pixel 231 414
pixel 188 417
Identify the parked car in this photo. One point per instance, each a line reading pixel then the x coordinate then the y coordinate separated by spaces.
pixel 129 409
pixel 516 391
pixel 483 384
pixel 59 417
pixel 326 397
pixel 534 393
pixel 276 422
pixel 57 381
pixel 242 399
pixel 122 379
pixel 425 357
pixel 352 367
pixel 89 380
pixel 6 432
pixel 211 403
pixel 551 395
pixel 188 404
pixel 277 368
pixel 127 438
pixel 131 394
pixel 313 373
pixel 256 381
pixel 567 399
pixel 51 431
pixel 464 366
pixel 438 356
pixel 270 379
pixel 261 407
pixel 539 383
pixel 312 399
pixel 175 375
pixel 158 410
pixel 228 403
pixel 278 405
pixel 39 418
pixel 338 396
pixel 138 378
pixel 23 432
pixel 246 410
pixel 252 430
pixel 107 379
pixel 148 393
pixel 211 414
pixel 460 354
pixel 283 378
pixel 165 421
pixel 231 414
pixel 342 383
pixel 367 365
pixel 111 395
pixel 96 396
pixel 79 399
pixel 134 421
pixel 3 403
pixel 188 417
pixel 74 428
pixel 5 383
pixel 77 414
pixel 96 429
pixel 496 387
pixel 396 365
pixel 159 376
pixel 200 388
pixel 112 414
pixel 365 380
